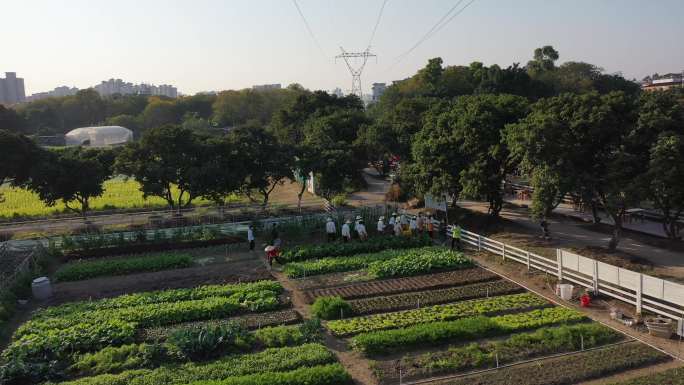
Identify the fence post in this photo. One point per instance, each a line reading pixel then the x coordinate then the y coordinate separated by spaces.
pixel 503 251
pixel 559 260
pixel 479 242
pixel 527 259
pixel 639 293
pixel 596 278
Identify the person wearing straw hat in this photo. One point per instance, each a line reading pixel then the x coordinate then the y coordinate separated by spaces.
pixel 397 228
pixel 420 223
pixel 413 226
pixel 346 231
pixel 393 220
pixel 330 229
pixel 272 253
pixel 381 225
pixel 361 230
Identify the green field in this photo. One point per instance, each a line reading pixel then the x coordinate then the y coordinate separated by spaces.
pixel 119 194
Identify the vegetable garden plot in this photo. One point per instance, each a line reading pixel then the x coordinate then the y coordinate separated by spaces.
pixel 401 285
pixel 364 324
pixel 667 377
pixel 516 348
pixel 432 297
pixel 569 369
pixel 76 271
pixel 372 245
pixel 465 329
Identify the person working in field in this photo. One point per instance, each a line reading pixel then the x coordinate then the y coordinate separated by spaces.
pixel 430 227
pixel 413 225
pixel 456 236
pixel 381 225
pixel 361 230
pixel 397 228
pixel 331 230
pixel 420 223
pixel 250 237
pixel 346 231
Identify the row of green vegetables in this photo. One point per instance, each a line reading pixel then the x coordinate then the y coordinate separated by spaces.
pixel 80 270
pixel 464 329
pixel 571 369
pixel 384 264
pixel 518 347
pixel 310 364
pixel 400 319
pixel 372 245
pixel 60 331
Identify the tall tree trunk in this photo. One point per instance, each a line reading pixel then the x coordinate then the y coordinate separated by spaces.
pixel 594 211
pixel 617 231
pixel 299 196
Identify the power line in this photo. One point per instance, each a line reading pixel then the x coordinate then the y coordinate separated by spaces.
pixel 377 22
pixel 435 28
pixel 308 28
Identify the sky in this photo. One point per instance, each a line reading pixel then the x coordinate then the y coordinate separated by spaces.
pixel 211 45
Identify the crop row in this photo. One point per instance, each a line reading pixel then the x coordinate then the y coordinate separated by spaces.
pixel 421 262
pixel 374 244
pixel 76 271
pixel 370 323
pixel 545 341
pixel 570 369
pixel 332 374
pixel 158 297
pixel 465 329
pixel 668 377
pixel 433 297
pixel 269 360
pixel 52 337
pixel 250 321
pixel 338 264
pixel 401 285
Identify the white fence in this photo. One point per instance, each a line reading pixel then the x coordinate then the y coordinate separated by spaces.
pixel 642 291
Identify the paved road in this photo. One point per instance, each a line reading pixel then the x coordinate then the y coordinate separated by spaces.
pixel 374 194
pixel 570 234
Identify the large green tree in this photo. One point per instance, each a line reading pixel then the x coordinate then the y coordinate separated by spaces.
pixel 168 163
pixel 18 156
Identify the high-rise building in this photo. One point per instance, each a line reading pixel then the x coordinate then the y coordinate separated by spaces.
pixel 265 87
pixel 57 92
pixel 12 89
pixel 118 86
pixel 337 92
pixel 378 90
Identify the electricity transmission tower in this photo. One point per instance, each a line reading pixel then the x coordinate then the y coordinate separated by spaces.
pixel 354 68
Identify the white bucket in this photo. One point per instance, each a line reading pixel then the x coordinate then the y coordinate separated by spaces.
pixel 41 288
pixel 565 291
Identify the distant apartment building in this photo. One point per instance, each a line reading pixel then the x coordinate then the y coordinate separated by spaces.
pixel 337 92
pixel 57 92
pixel 378 89
pixel 12 89
pixel 663 82
pixel 118 86
pixel 266 87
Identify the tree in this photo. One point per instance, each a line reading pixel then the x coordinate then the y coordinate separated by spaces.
pixel 167 162
pixel 75 175
pixel 266 162
pixel 10 120
pixel 544 60
pixel 160 112
pixel 222 170
pixel 664 180
pixel 17 156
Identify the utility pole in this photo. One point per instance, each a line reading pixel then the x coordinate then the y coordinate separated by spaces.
pixel 355 70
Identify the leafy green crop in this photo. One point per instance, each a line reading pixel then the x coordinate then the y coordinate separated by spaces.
pixel 330 308
pixel 385 341
pixel 337 264
pixel 90 269
pixel 304 252
pixel 420 262
pixel 269 360
pixel 435 313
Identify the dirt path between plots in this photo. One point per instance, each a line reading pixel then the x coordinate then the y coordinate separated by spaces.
pixel 355 365
pixel 103 287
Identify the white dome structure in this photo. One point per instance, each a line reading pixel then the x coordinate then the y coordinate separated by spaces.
pixel 102 136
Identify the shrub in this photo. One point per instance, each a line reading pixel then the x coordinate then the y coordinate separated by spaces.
pixel 90 269
pixel 212 341
pixel 278 336
pixel 330 308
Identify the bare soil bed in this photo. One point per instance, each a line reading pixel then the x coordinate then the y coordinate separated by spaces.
pixel 402 285
pixel 246 270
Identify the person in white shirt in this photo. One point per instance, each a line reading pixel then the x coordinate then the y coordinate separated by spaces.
pixel 413 225
pixel 250 237
pixel 361 230
pixel 381 225
pixel 393 219
pixel 397 229
pixel 420 222
pixel 346 231
pixel 331 230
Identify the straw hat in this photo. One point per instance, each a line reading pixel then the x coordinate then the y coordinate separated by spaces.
pixel 358 217
pixel 269 248
pixel 382 218
pixel 347 221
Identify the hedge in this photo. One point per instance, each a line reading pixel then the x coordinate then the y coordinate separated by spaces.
pixel 76 271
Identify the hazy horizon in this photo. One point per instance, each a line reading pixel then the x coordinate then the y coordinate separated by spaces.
pixel 211 45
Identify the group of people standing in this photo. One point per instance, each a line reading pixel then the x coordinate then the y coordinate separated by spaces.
pixel 359 228
pixel 407 225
